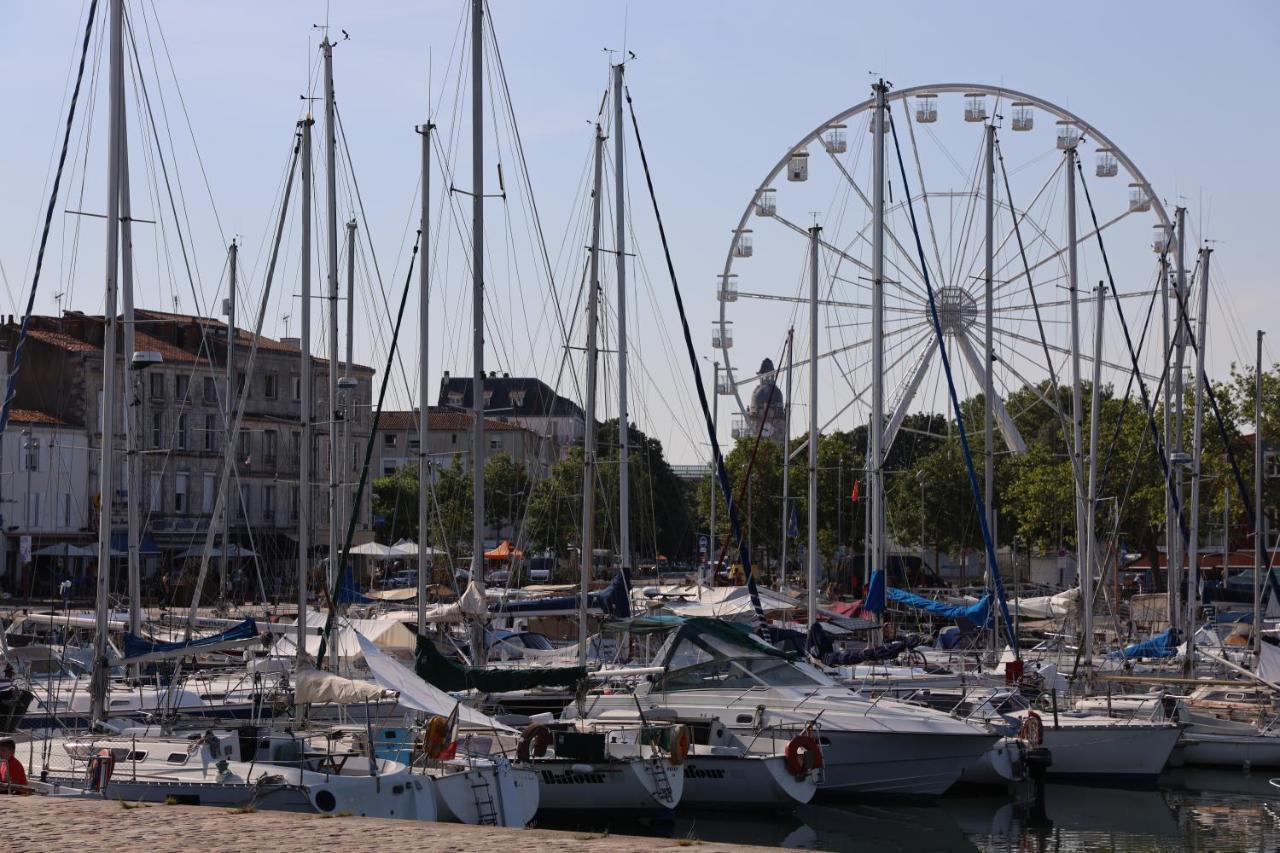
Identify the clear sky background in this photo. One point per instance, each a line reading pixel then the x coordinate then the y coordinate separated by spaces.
pixel 722 89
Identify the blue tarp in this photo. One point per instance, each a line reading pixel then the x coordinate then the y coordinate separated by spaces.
pixel 979 612
pixel 873 601
pixel 120 544
pixel 1162 645
pixel 135 646
pixel 614 600
pixel 349 591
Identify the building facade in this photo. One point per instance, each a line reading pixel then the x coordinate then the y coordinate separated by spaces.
pixel 449 439
pixel 177 407
pixel 525 401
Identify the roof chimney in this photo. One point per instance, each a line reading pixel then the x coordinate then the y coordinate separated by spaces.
pixel 292 343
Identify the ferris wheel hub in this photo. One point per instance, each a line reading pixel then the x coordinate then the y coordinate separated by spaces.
pixel 957 309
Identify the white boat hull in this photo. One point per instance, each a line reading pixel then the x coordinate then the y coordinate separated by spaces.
pixel 744 782
pixel 899 763
pixel 489 793
pixel 1134 752
pixel 620 787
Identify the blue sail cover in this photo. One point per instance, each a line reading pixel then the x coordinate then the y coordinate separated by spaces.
pixel 1162 645
pixel 614 600
pixel 979 612
pixel 135 646
pixel 349 591
pixel 873 601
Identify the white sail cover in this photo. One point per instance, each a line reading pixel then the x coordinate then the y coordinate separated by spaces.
pixel 1269 663
pixel 416 693
pixel 312 686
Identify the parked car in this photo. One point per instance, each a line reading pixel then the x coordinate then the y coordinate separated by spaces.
pixel 407 578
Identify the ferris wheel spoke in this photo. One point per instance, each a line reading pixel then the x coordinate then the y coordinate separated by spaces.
pixel 922 335
pixel 850 258
pixel 1064 351
pixel 1058 303
pixel 1083 238
pixel 1023 217
pixel 802 300
pixel 1027 383
pixel 908 394
pixel 1008 429
pixel 924 193
pixel 888 232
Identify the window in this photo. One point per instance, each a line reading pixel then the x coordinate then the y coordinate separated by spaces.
pixel 488 396
pixel 239 381
pixel 389 439
pixel 268 503
pixel 293 503
pixel 1272 465
pixel 517 399
pixel 30 453
pixel 180 493
pixel 242 508
pixel 495 444
pixel 157 429
pixel 34 499
pixel 157 385
pixel 180 440
pixel 295 446
pixel 180 383
pixel 210 390
pixel 269 448
pixel 295 382
pixel 245 446
pixel 269 386
pixel 453 438
pixel 414 443
pixel 206 494
pixel 455 398
pixel 63 518
pixel 155 498
pixel 210 433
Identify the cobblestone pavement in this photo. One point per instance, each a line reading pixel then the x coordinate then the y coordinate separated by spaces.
pixel 53 825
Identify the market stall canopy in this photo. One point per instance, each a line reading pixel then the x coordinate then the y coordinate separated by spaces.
pixel 120 544
pixel 504 551
pixel 373 549
pixel 409 548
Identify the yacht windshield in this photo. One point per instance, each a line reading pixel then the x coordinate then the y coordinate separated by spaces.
pixel 706 661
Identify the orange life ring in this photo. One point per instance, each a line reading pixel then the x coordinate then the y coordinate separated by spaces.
pixel 803 754
pixel 1032 730
pixel 100 769
pixel 434 736
pixel 680 742
pixel 534 741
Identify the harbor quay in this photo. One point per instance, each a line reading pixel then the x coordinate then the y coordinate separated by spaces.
pixel 57 823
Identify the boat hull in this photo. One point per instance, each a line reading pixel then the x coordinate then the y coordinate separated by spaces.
pixel 744 782
pixel 629 787
pixel 492 794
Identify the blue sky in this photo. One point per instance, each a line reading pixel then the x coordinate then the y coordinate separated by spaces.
pixel 723 89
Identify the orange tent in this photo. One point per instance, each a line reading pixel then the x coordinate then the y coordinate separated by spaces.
pixel 504 551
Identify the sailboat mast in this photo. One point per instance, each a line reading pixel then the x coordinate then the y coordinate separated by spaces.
pixel 229 417
pixel 1259 529
pixel 589 438
pixel 106 466
pixel 814 237
pixel 988 369
pixel 786 462
pixel 1077 398
pixel 331 232
pixel 620 250
pixel 306 379
pixel 1091 518
pixel 1197 430
pixel 875 551
pixel 346 511
pixel 1177 557
pixel 477 317
pixel 424 382
pixel 132 426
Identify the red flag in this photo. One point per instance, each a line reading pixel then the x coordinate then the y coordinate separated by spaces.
pixel 854 495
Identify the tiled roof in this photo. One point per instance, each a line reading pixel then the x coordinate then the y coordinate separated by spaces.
pixel 33 416
pixel 62 341
pixel 440 419
pixel 523 396
pixel 143 342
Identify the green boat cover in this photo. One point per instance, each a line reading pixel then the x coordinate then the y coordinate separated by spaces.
pixel 434 668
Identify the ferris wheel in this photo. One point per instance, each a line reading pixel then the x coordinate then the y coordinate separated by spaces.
pixel 826 179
